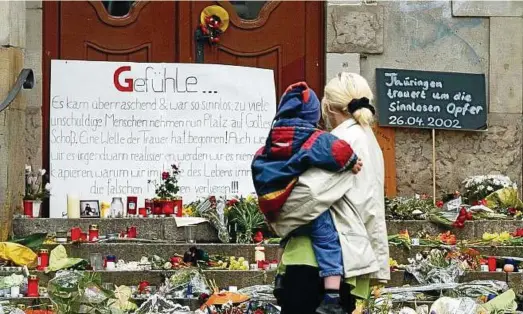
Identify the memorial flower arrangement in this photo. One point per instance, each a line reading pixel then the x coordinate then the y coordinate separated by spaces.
pixel 478 188
pixel 167 200
pixel 37 189
pixel 37 186
pixel 416 208
pixel 246 221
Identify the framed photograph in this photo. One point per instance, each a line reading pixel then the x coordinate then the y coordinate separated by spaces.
pixel 89 209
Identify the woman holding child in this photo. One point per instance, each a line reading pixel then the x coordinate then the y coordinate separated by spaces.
pixel 310 187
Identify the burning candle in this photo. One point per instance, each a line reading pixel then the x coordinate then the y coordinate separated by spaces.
pixel 93 233
pixel 73 206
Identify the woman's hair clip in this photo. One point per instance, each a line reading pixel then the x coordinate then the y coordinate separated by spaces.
pixel 358 103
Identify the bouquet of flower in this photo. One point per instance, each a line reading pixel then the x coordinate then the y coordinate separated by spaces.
pixel 479 187
pixel 168 188
pixel 37 186
pixel 402 208
pixel 246 219
pixel 214 211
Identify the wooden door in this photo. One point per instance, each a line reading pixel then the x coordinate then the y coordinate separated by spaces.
pixel 84 30
pixel 285 36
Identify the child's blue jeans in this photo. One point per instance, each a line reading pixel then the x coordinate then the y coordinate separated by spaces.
pixel 325 242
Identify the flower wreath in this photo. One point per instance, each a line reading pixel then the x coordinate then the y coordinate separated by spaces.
pixel 214 20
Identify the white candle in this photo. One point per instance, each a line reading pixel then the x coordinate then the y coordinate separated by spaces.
pixel 73 206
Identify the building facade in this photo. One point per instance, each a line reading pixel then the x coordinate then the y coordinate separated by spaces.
pixel 299 40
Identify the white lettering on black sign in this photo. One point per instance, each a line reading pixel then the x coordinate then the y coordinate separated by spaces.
pixel 434 100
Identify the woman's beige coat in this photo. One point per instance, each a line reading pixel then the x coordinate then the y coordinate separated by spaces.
pixel 356 201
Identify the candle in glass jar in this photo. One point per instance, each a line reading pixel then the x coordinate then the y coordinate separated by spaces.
pixel 131 205
pixel 93 233
pixel 32 286
pixel 73 206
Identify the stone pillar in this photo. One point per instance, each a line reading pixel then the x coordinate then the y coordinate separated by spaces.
pixel 12 119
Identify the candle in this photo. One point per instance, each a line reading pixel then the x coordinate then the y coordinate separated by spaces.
pixel 73 206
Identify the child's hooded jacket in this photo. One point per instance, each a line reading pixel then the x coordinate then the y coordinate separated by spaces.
pixel 294 145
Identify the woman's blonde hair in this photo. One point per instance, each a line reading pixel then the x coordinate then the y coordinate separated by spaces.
pixel 341 90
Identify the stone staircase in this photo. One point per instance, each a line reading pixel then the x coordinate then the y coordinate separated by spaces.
pixel 172 241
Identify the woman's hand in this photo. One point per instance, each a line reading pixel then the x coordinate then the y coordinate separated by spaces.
pixel 357 167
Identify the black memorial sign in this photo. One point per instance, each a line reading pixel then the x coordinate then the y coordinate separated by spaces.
pixel 431 100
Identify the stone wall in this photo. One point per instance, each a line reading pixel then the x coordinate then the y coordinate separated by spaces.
pixel 12 119
pixel 33 60
pixel 455 36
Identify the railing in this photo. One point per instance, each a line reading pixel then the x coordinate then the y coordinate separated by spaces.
pixel 25 80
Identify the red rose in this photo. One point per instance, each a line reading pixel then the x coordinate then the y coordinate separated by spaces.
pixel 165 175
pixel 258 237
pixel 439 204
pixel 512 211
pixel 232 202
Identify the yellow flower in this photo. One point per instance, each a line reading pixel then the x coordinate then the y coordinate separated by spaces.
pixel 393 262
pixel 504 236
pixel 490 236
pixel 250 198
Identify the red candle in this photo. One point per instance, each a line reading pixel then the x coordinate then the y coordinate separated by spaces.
pixel 93 233
pixel 132 202
pixel 28 208
pixel 76 234
pixel 492 264
pixel 43 259
pixel 131 232
pixel 32 286
pixel 142 211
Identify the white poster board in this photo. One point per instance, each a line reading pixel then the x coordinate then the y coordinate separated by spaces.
pixel 114 126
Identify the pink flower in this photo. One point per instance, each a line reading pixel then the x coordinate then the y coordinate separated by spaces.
pixel 165 175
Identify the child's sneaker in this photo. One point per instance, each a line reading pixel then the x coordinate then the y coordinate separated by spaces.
pixel 330 308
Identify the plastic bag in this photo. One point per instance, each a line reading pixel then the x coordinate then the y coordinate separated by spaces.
pixel 58 260
pixel 157 304
pixel 18 254
pixel 446 305
pixel 258 292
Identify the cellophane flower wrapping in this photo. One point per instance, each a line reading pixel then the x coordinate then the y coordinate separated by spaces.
pixel 180 281
pixel 79 292
pixel 157 304
pixel 213 210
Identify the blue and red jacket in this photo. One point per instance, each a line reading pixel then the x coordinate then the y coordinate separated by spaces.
pixel 293 146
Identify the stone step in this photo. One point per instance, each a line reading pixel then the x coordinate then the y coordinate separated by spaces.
pixel 223 278
pixel 165 228
pixel 134 251
pixel 147 228
pixel 401 254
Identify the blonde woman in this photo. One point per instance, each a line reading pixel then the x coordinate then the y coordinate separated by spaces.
pixel 356 205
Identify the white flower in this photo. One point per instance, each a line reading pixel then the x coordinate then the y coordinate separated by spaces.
pixel 481 187
pixel 31 180
pixel 489 188
pixel 27 169
pixel 48 186
pixel 42 172
pixel 419 257
pixel 417 212
pixel 411 260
